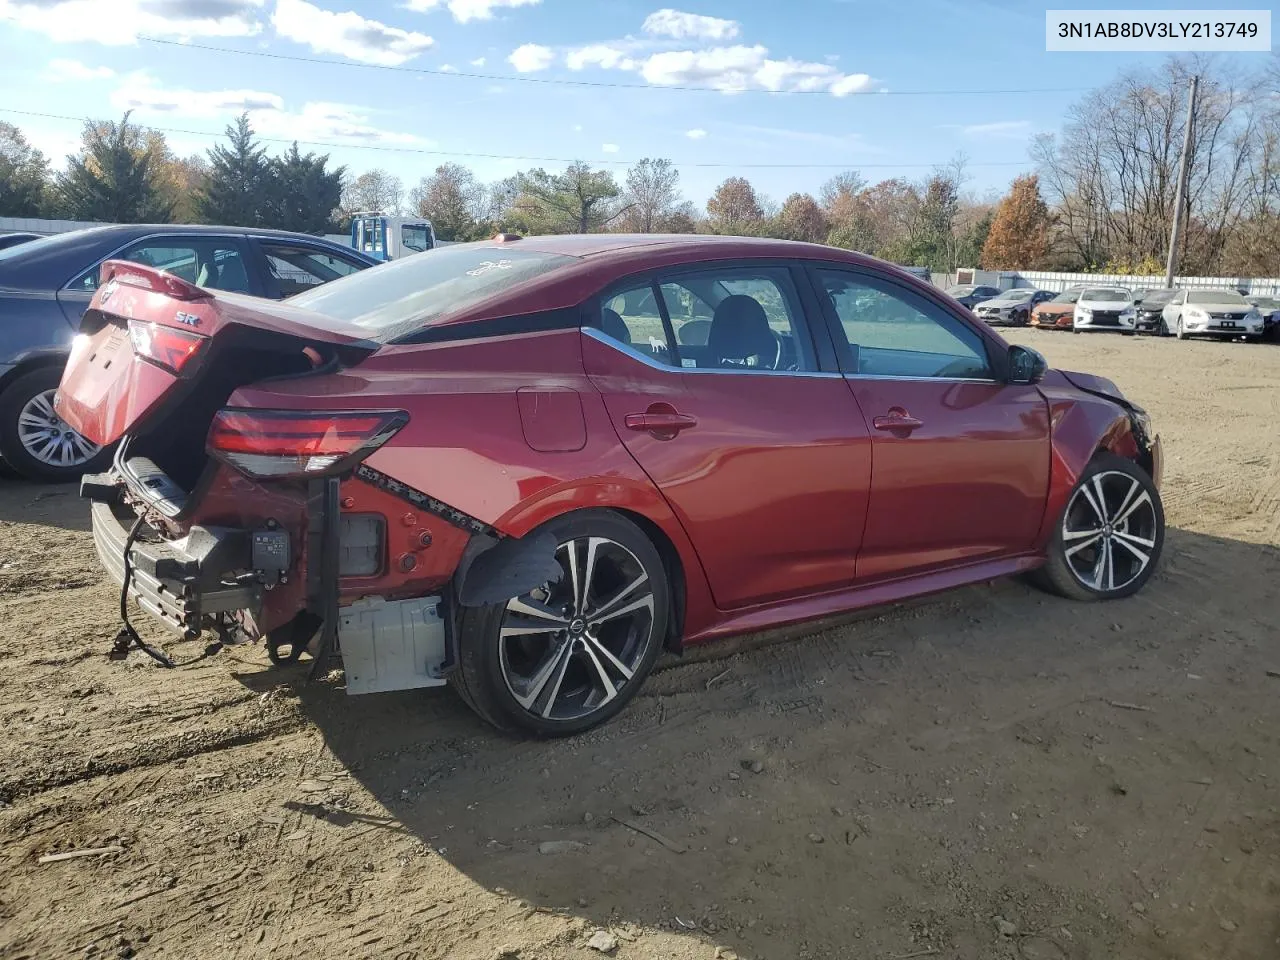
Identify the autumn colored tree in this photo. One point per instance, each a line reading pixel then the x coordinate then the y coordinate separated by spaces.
pixel 1019 237
pixel 801 219
pixel 735 207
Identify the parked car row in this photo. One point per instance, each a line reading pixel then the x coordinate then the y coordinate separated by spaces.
pixel 1117 309
pixel 46 285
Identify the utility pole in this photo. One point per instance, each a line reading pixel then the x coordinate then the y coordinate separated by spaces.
pixel 1175 238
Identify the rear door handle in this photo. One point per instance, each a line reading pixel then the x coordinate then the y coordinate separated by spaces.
pixel 897 420
pixel 659 422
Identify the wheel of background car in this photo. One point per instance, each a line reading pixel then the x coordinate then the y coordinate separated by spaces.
pixel 1182 330
pixel 1163 329
pixel 568 656
pixel 33 439
pixel 1108 540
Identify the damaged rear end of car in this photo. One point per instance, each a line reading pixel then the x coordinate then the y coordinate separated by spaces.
pixel 238 504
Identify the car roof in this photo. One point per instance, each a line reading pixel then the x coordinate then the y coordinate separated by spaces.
pixel 46 266
pixel 599 260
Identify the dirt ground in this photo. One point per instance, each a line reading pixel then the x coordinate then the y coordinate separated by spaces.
pixel 991 773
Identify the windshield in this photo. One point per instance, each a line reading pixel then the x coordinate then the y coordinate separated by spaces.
pixel 1067 296
pixel 960 291
pixel 1107 295
pixel 1266 303
pixel 1017 295
pixel 405 295
pixel 1217 296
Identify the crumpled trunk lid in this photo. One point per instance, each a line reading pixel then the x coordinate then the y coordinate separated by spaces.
pixel 148 336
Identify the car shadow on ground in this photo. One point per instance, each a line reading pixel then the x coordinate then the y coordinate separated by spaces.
pixel 36 504
pixel 992 769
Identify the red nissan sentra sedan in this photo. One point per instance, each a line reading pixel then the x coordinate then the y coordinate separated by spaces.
pixel 527 466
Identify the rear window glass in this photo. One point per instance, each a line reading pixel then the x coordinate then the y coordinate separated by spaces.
pixel 405 295
pixel 33 246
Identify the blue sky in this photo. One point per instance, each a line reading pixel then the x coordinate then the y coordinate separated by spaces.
pixel 832 59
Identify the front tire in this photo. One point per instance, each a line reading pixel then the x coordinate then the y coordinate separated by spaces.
pixel 33 439
pixel 1108 540
pixel 1182 330
pixel 568 656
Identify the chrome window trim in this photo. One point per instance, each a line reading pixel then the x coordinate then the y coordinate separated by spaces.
pixel 137 240
pixel 668 368
pixel 889 376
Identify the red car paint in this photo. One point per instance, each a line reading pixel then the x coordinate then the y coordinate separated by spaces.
pixel 788 498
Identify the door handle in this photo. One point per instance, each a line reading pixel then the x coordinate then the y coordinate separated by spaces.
pixel 671 423
pixel 897 420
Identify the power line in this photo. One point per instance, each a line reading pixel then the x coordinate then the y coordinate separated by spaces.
pixel 554 81
pixel 527 159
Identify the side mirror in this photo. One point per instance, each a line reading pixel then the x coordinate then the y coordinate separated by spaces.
pixel 1026 365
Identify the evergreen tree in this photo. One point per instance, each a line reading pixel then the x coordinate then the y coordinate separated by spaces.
pixel 304 195
pixel 24 172
pixel 240 181
pixel 114 179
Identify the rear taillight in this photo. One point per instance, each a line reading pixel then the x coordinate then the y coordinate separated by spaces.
pixel 164 346
pixel 282 443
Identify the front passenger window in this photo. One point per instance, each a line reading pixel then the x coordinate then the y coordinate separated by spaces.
pixel 893 333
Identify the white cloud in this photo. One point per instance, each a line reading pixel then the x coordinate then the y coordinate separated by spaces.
pixel 681 26
pixel 141 93
pixel 448 68
pixel 697 133
pixel 732 69
pixel 321 122
pixel 852 83
pixel 315 122
pixel 609 147
pixel 347 34
pixel 60 71
pixel 466 10
pixel 577 128
pixel 531 57
pixel 478 62
pixel 116 22
pixel 599 55
pixel 1001 129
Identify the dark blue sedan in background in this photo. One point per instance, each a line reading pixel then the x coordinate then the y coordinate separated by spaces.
pixel 46 285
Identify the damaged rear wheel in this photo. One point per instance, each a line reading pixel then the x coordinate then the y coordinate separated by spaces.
pixel 567 656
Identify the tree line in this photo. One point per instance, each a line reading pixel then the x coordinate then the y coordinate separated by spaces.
pixel 1102 196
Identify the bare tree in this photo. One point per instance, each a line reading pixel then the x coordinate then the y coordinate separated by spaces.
pixel 375 190
pixel 652 194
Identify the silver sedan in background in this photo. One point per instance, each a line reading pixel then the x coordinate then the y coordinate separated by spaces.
pixel 1011 308
pixel 1213 313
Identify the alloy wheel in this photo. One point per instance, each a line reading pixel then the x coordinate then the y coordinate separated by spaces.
pixel 47 438
pixel 568 649
pixel 1109 531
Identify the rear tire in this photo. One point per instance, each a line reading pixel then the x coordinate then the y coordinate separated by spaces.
pixel 541 663
pixel 1107 542
pixel 24 404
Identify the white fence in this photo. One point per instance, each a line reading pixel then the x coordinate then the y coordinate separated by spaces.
pixel 44 228
pixel 1057 282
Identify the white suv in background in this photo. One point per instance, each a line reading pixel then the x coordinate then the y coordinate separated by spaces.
pixel 1106 308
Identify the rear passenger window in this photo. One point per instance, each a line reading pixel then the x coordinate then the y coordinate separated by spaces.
pixel 632 318
pixel 746 320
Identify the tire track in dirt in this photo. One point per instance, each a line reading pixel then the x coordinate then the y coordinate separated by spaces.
pixel 153 753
